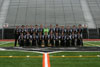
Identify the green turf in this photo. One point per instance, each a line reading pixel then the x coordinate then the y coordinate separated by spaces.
pixel 20 62
pixel 75 62
pixel 92 43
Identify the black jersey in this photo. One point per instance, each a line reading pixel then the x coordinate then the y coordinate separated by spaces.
pixel 80 30
pixel 51 30
pixel 31 30
pixel 17 33
pixel 57 30
pixel 23 31
pixel 36 30
pixel 75 30
pixel 40 30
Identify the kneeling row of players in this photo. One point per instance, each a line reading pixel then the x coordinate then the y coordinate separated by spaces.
pixel 50 40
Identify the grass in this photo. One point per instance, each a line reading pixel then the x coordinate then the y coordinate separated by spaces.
pixel 20 62
pixel 92 43
pixel 75 62
pixel 54 61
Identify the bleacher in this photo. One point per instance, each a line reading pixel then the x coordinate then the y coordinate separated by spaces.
pixel 62 12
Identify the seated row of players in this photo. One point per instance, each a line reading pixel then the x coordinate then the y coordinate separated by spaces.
pixel 54 37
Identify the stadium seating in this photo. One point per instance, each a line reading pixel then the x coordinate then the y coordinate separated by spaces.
pixel 50 12
pixel 62 12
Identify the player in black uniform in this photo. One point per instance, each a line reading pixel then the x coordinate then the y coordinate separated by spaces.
pixel 17 33
pixel 73 39
pixel 33 39
pixel 41 29
pixel 46 39
pixel 31 30
pixel 62 39
pixel 57 40
pixel 68 30
pixel 74 29
pixel 36 30
pixel 80 29
pixel 67 40
pixel 62 30
pixel 27 29
pixel 51 38
pixel 57 29
pixel 27 38
pixel 76 36
pixel 80 40
pixel 21 40
pixel 22 30
pixel 40 39
pixel 51 29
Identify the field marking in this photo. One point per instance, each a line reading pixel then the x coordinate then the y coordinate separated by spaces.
pixel 5 43
pixel 91 41
pixel 73 56
pixel 46 61
pixel 92 44
pixel 20 56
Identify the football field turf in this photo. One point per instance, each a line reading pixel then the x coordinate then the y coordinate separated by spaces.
pixel 75 59
pixel 61 59
pixel 20 59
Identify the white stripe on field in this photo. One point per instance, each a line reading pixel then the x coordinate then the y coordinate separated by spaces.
pixel 92 44
pixel 5 43
pixel 46 60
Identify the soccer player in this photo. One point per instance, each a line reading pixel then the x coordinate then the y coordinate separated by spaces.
pixel 62 30
pixel 31 30
pixel 46 39
pixel 40 39
pixel 80 29
pixel 36 30
pixel 27 38
pixel 41 29
pixel 33 39
pixel 74 29
pixel 21 40
pixel 68 40
pixel 17 33
pixel 62 39
pixel 51 29
pixel 80 40
pixel 22 30
pixel 57 29
pixel 73 39
pixel 46 30
pixel 76 36
pixel 51 38
pixel 57 37
pixel 68 30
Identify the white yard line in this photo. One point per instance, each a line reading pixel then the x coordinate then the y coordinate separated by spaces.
pixel 92 44
pixel 71 51
pixel 91 41
pixel 5 43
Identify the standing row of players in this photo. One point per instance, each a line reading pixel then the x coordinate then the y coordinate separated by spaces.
pixel 59 36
